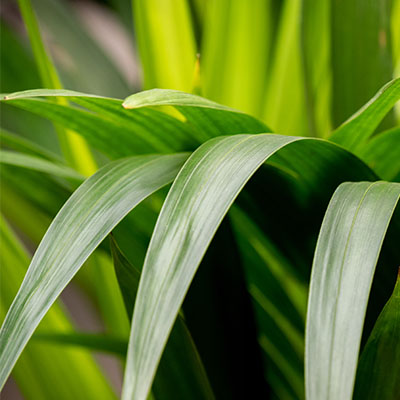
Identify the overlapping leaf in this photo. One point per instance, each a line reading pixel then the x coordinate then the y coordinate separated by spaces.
pixel 198 200
pixel 89 215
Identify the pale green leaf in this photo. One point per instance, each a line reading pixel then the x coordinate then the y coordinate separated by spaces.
pixel 84 221
pixel 345 258
pixel 198 200
pixel 44 371
pixel 166 43
pixel 235 53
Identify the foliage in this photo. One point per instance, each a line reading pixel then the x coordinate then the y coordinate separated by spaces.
pixel 235 222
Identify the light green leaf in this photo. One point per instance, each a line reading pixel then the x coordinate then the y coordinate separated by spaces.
pixel 354 133
pixel 235 53
pixel 165 97
pixel 379 367
pixel 347 251
pixel 84 221
pixel 166 43
pixel 141 130
pixel 181 373
pixel 74 147
pixel 198 200
pixel 284 107
pixel 43 371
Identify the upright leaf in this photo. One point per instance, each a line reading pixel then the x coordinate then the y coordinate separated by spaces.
pixel 284 108
pixel 166 43
pixel 355 132
pixel 379 366
pixel 73 146
pixel 348 248
pixel 235 53
pixel 361 53
pixel 316 57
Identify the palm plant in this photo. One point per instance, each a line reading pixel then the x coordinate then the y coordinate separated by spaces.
pixel 239 239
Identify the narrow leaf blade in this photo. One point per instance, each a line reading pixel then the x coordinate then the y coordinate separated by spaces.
pixel 348 248
pixel 84 221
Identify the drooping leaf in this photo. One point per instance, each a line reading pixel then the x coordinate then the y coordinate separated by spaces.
pixel 84 221
pixel 143 130
pixel 348 248
pixel 181 374
pixel 354 133
pixel 45 371
pixel 379 366
pixel 198 200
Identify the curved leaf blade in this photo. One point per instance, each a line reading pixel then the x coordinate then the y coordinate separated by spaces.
pixel 354 133
pixel 169 97
pixel 345 258
pixel 181 373
pixel 80 226
pixel 196 204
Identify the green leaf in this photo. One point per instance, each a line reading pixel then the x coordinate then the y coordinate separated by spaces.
pixel 89 341
pixel 181 373
pixel 355 132
pixel 39 164
pixel 45 371
pixel 316 57
pixel 382 154
pixel 84 221
pixel 166 43
pixel 284 107
pixel 74 147
pixel 18 143
pixel 209 118
pixel 165 97
pixel 118 132
pixel 361 53
pixel 234 71
pixel 379 367
pixel 198 200
pixel 347 251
